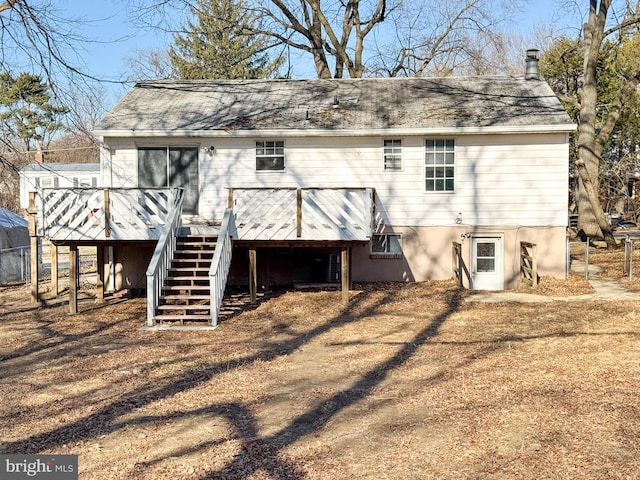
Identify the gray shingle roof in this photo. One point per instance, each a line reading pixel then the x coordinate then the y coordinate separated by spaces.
pixel 333 105
pixel 62 167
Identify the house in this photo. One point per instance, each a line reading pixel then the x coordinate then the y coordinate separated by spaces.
pixel 37 176
pixel 340 180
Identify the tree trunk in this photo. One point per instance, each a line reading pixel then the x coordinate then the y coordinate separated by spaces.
pixel 592 221
pixel 596 220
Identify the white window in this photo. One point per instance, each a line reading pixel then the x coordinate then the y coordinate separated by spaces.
pixel 392 155
pixel 46 182
pixel 87 182
pixel 439 165
pixel 386 244
pixel 270 155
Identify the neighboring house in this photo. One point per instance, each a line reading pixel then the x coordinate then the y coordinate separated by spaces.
pixel 378 175
pixel 36 176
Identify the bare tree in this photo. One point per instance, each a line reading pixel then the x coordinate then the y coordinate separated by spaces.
pixel 35 37
pixel 150 65
pixel 353 38
pixel 593 134
pixel 448 37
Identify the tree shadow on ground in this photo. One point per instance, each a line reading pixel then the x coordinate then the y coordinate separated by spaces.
pixel 55 338
pixel 264 454
pixel 250 460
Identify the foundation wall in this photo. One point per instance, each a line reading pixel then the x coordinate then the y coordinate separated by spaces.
pixel 427 254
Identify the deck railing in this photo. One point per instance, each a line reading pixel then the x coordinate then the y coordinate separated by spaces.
pixel 221 262
pixel 303 213
pixel 162 257
pixel 104 213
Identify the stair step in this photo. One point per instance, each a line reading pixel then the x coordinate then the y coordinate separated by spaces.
pixel 175 297
pixel 187 288
pixel 188 278
pixel 191 263
pixel 184 307
pixel 194 252
pixel 198 246
pixel 172 317
pixel 188 269
pixel 197 237
pixel 192 260
pixel 185 297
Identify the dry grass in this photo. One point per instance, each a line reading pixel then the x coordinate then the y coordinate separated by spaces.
pixel 408 381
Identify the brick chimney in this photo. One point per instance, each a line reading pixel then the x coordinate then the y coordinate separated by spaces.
pixel 39 156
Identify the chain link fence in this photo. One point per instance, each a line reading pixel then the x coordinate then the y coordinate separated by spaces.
pixel 15 265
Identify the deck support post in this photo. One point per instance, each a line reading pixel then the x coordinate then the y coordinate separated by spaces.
pixel 299 212
pixel 73 278
pixel 100 251
pixel 112 269
pixel 107 214
pixel 253 275
pixel 33 236
pixel 350 265
pixel 344 263
pixel 53 253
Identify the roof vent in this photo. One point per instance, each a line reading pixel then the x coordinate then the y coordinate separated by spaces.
pixel 532 72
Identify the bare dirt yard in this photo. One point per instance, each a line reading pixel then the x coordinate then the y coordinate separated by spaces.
pixel 405 382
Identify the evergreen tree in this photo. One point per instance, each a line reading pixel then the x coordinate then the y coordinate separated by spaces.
pixel 26 109
pixel 27 115
pixel 216 45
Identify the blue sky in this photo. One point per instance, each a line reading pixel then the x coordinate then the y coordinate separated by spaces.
pixel 116 39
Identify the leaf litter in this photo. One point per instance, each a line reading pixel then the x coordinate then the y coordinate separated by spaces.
pixel 406 381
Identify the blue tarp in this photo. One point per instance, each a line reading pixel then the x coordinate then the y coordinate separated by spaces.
pixel 14 246
pixel 8 219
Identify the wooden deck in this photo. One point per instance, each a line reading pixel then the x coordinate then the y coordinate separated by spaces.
pixel 303 214
pixel 271 214
pixel 109 214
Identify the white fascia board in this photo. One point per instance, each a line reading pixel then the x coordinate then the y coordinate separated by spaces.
pixel 339 133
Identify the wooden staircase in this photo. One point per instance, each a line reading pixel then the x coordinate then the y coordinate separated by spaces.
pixel 186 296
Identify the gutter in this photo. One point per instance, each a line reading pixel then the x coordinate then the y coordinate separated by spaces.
pixel 288 133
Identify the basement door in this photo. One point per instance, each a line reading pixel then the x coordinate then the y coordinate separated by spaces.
pixel 487 263
pixel 171 167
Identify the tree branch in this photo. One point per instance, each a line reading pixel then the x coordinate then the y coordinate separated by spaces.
pixel 7 5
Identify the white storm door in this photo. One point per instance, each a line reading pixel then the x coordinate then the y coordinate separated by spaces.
pixel 487 271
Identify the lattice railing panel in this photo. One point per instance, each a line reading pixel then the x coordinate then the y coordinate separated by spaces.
pixel 104 214
pixel 329 214
pixel 265 214
pixel 303 214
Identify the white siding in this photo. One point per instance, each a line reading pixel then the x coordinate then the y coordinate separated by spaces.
pixel 33 181
pixel 120 164
pixel 500 179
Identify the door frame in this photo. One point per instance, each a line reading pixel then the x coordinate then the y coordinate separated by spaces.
pixel 498 280
pixel 192 187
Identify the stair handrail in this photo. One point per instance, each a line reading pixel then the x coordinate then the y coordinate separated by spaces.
pixel 221 262
pixel 162 257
